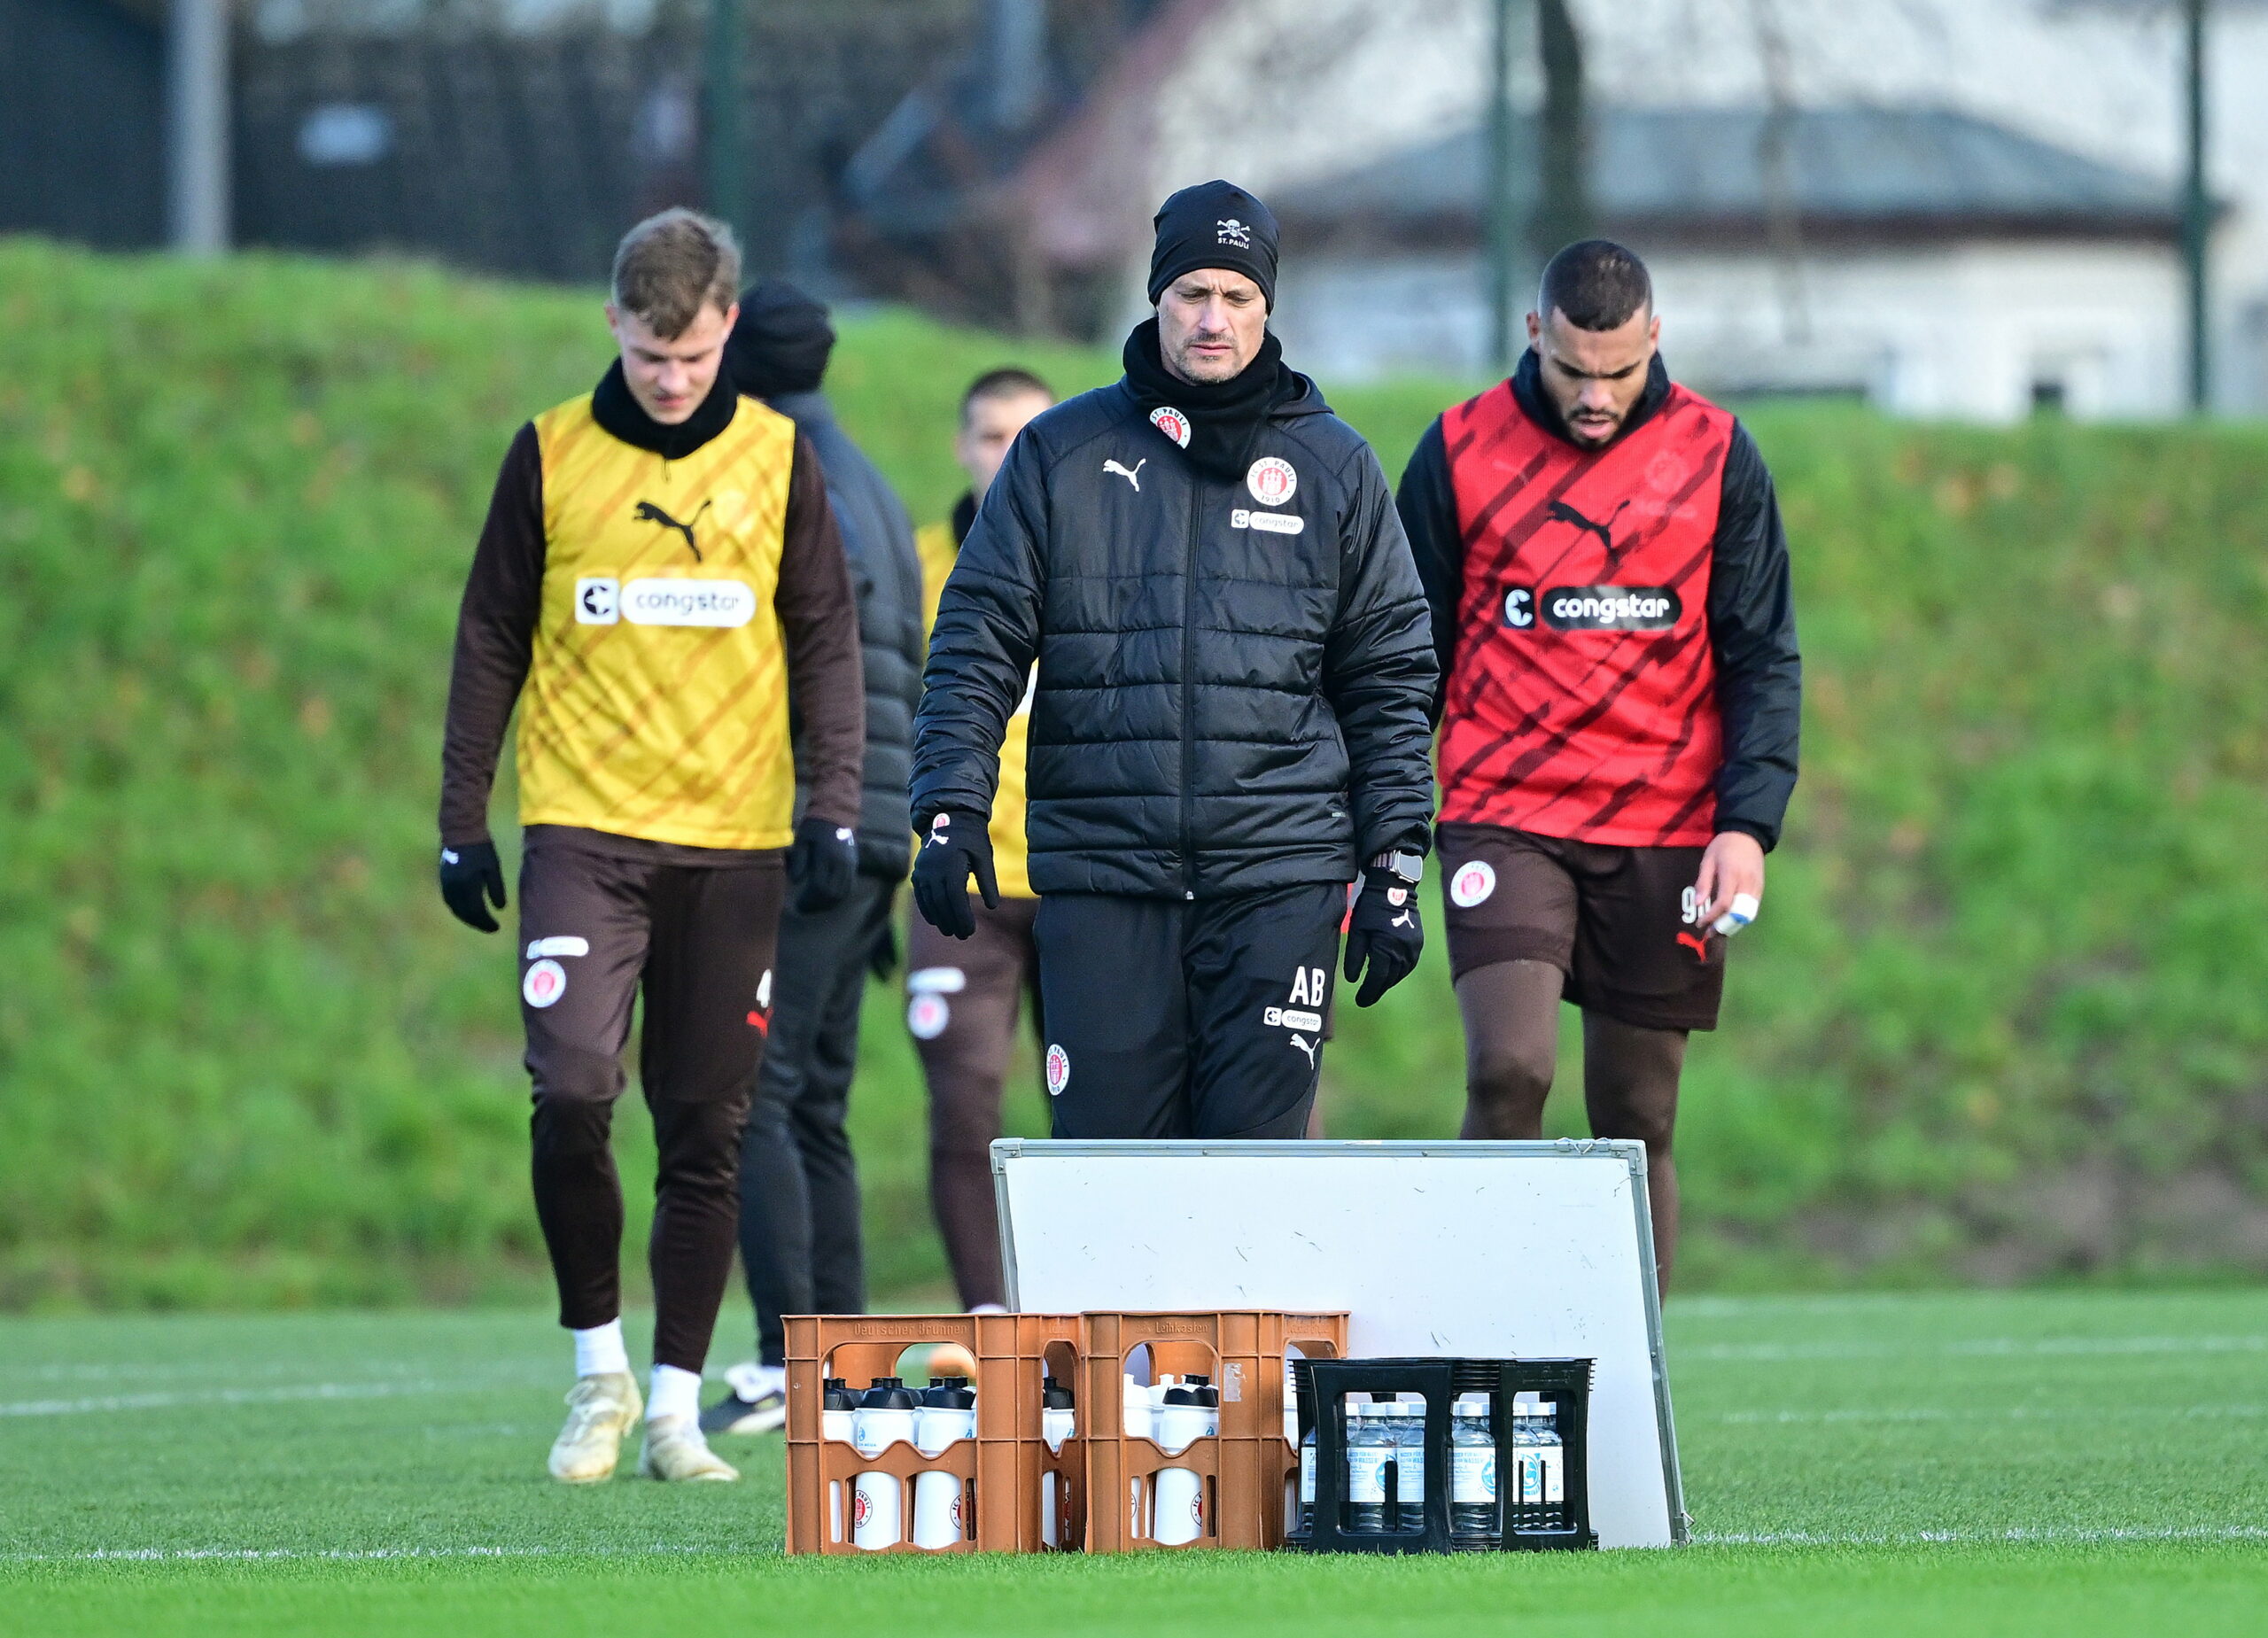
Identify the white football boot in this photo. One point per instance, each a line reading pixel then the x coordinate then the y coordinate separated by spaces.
pixel 676 1450
pixel 602 1409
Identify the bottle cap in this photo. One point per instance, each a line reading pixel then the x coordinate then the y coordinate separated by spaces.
pixel 1195 1380
pixel 1208 1397
pixel 1181 1396
pixel 1054 1395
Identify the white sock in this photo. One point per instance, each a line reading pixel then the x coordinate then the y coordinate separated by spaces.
pixel 600 1350
pixel 675 1393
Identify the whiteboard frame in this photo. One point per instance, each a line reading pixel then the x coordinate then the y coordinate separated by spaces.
pixel 1633 1155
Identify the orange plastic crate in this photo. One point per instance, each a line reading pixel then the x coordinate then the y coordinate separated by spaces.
pixel 1002 1468
pixel 1243 1472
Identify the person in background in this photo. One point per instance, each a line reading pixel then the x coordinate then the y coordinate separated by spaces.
pixel 659 573
pixel 963 995
pixel 801 1245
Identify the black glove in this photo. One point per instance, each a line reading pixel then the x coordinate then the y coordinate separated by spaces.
pixel 957 844
pixel 1384 934
pixel 470 873
pixel 882 956
pixel 823 864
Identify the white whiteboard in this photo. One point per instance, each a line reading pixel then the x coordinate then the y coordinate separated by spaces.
pixel 1485 1250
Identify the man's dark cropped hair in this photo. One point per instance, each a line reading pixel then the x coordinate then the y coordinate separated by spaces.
pixel 1008 381
pixel 1597 284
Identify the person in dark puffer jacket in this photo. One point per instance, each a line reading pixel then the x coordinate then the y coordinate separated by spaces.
pixel 1230 720
pixel 800 1241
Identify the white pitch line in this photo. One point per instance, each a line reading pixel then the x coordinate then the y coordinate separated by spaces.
pixel 1983 1347
pixel 2047 1534
pixel 255 1396
pixel 1938 1538
pixel 347 1555
pixel 2015 1413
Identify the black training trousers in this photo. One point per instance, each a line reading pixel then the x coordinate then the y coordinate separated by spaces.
pixel 595 931
pixel 801 1245
pixel 1172 1018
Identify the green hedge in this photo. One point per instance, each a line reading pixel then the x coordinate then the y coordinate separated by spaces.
pixel 2006 1015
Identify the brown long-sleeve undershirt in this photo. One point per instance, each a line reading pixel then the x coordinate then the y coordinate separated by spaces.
pixel 504 598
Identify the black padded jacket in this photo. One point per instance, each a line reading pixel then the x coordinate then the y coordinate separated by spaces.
pixel 1233 694
pixel 886 573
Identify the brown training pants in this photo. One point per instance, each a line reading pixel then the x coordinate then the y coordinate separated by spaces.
pixel 962 999
pixel 595 929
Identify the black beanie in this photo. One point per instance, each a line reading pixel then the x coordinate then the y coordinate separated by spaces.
pixel 1214 224
pixel 781 342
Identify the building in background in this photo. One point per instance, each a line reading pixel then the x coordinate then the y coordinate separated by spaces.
pixel 1953 207
pixel 82 107
pixel 1957 207
pixel 1932 262
pixel 517 136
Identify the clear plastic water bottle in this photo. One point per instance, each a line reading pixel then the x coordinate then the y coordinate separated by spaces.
pixel 1551 1458
pixel 1370 1447
pixel 1528 1469
pixel 1306 1483
pixel 1473 1471
pixel 1406 1425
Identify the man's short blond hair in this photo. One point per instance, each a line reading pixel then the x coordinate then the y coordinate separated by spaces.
pixel 669 266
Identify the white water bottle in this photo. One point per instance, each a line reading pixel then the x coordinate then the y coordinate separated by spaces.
pixel 936 1509
pixel 837 1405
pixel 1209 1397
pixel 1180 1505
pixel 946 1417
pixel 1182 1421
pixel 1058 1416
pixel 884 1416
pixel 874 1521
pixel 1137 1410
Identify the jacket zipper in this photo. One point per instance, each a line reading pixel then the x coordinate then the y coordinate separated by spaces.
pixel 1188 729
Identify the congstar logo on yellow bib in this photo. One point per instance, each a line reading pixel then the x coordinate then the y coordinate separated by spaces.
pixel 725 604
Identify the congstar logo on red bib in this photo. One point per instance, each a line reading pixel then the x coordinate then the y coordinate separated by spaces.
pixel 1611 608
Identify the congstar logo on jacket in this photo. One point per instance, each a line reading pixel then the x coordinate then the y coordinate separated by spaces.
pixel 1611 608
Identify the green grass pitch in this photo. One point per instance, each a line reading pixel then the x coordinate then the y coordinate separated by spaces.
pixel 2072 1463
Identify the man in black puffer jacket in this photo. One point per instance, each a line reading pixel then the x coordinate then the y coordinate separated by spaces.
pixel 800 1241
pixel 1229 718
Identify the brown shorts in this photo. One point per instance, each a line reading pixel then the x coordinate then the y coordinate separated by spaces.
pixel 1614 920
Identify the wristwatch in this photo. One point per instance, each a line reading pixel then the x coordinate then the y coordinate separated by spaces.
pixel 1410 867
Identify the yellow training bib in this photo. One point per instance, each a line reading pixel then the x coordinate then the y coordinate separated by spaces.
pixel 657 700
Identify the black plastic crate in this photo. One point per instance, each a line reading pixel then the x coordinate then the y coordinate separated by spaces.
pixel 1323 1385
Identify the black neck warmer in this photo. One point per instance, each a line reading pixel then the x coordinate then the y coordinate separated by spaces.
pixel 614 409
pixel 1224 418
pixel 1527 387
pixel 964 517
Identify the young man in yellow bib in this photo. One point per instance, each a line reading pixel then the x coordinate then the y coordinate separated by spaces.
pixel 658 577
pixel 963 995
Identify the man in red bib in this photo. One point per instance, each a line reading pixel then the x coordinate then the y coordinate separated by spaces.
pixel 1608 579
